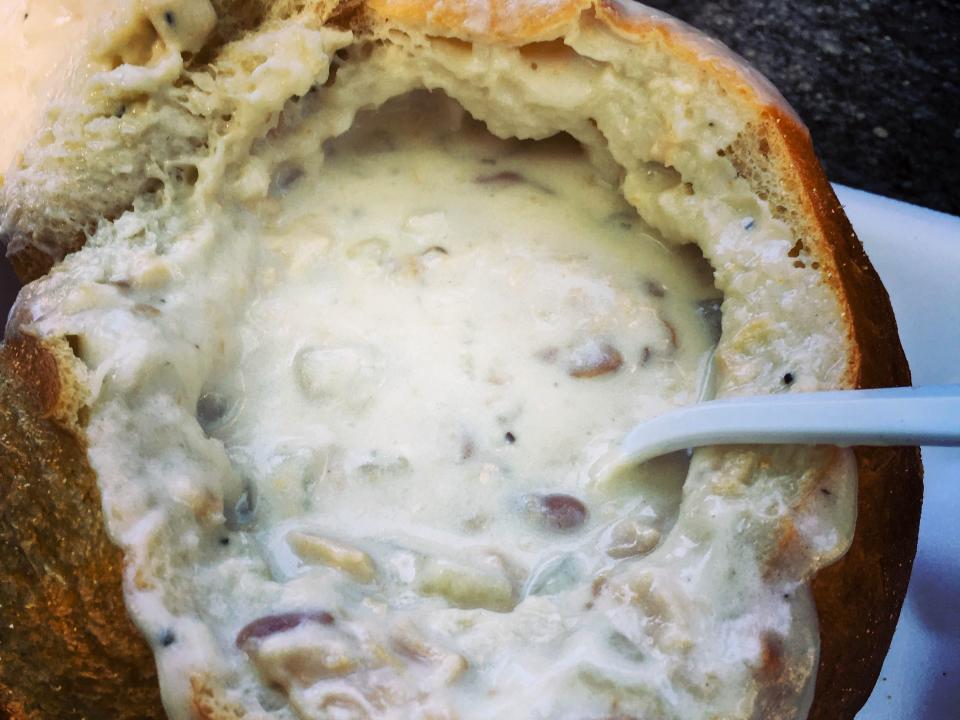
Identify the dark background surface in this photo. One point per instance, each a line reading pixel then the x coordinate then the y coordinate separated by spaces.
pixel 876 81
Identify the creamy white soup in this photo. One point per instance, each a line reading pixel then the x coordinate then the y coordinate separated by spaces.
pixel 349 386
pixel 448 330
pixel 351 361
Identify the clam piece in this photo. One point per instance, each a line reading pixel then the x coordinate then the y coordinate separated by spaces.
pixel 593 358
pixel 629 538
pixel 317 549
pixel 448 667
pixel 465 586
pixel 306 655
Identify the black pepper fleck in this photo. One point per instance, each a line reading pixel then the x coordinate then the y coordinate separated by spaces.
pixel 168 638
pixel 788 379
pixel 510 438
pixel 224 540
pixel 825 491
pixel 169 18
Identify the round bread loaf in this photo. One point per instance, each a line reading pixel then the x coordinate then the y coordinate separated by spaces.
pixel 145 205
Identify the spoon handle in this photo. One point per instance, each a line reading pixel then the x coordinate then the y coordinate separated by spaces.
pixel 927 415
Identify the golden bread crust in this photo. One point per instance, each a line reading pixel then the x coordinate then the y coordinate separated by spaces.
pixel 498 21
pixel 859 597
pixel 67 648
pixel 78 630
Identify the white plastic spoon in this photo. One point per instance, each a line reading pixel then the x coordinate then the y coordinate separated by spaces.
pixel 909 416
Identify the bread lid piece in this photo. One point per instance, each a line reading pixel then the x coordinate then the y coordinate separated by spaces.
pixel 698 145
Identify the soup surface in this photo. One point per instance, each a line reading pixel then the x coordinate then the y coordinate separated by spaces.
pixel 447 331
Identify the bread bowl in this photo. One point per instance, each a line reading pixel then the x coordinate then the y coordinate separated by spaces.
pixel 184 155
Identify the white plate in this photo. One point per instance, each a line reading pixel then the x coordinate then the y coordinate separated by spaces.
pixel 917 254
